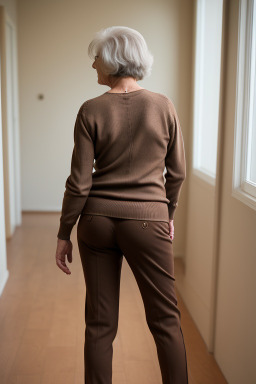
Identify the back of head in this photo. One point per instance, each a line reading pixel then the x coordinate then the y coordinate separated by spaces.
pixel 123 52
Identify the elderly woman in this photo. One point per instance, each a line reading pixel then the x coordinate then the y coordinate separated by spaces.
pixel 126 206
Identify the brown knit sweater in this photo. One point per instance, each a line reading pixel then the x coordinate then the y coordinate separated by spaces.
pixel 129 139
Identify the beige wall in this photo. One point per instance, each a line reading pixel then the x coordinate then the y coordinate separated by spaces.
pixel 3 256
pixel 236 310
pixel 53 41
pixel 10 9
pixel 196 281
pixel 221 244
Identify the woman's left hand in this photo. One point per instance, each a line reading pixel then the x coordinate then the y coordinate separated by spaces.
pixel 64 247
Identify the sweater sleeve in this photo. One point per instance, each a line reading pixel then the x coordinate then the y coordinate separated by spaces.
pixel 79 182
pixel 175 163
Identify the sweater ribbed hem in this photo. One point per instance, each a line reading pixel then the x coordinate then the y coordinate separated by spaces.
pixel 138 210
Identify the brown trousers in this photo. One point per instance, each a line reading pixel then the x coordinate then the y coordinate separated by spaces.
pixel 147 246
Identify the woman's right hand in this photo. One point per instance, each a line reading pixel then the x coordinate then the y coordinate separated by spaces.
pixel 171 230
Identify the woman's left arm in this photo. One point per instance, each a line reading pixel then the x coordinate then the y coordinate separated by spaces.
pixel 78 184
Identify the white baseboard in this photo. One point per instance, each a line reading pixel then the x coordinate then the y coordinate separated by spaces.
pixel 3 281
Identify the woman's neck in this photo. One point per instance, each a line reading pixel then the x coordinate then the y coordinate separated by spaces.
pixel 123 84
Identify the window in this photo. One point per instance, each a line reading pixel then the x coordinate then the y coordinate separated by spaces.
pixel 207 87
pixel 244 174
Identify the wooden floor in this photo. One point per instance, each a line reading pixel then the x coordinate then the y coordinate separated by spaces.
pixel 42 319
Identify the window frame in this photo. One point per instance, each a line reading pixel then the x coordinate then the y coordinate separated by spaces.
pixel 242 189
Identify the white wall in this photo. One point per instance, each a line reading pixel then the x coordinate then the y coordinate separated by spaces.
pixel 10 119
pixel 53 41
pixel 9 10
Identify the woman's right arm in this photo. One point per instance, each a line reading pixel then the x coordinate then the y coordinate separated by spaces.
pixel 175 162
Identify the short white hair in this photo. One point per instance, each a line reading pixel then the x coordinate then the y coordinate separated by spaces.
pixel 123 51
